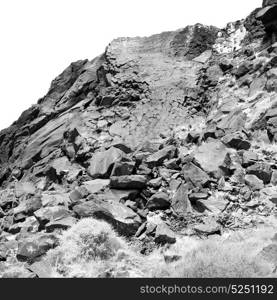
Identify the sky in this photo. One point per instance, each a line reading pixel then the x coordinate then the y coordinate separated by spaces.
pixel 40 38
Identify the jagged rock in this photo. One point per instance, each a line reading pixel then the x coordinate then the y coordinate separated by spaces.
pixel 195 175
pixel 215 204
pixel 164 235
pixel 102 162
pixel 30 224
pixel 96 185
pixel 236 140
pixel 249 158
pixel 180 202
pixel 254 182
pixel 157 158
pixel 51 213
pixel 55 199
pixel 118 195
pixel 156 182
pixel 60 223
pixel 122 218
pixel 262 170
pixel 35 246
pixel 211 157
pixel 274 178
pixel 123 168
pixel 128 182
pixel 193 197
pixel 24 188
pixel 28 206
pixel 209 227
pixel 159 200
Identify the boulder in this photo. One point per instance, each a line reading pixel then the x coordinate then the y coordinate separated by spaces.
pixel 164 235
pixel 159 200
pixel 96 185
pixel 52 213
pixel 249 158
pixel 254 182
pixel 157 158
pixel 209 227
pixel 262 170
pixel 211 156
pixel 101 164
pixel 236 140
pixel 124 220
pixel 195 175
pixel 180 202
pixel 123 168
pixel 128 182
pixel 215 204
pixel 35 246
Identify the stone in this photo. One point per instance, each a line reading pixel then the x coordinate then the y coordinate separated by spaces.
pixel 274 178
pixel 24 188
pixel 118 195
pixel 262 170
pixel 155 183
pixel 60 223
pixel 157 158
pixel 28 206
pixel 209 227
pixel 180 202
pixel 96 185
pixel 237 141
pixel 128 182
pixel 35 246
pixel 159 200
pixel 215 204
pixel 124 220
pixel 51 213
pixel 249 158
pixel 211 157
pixel 254 182
pixel 101 164
pixel 164 235
pixel 123 168
pixel 55 199
pixel 195 175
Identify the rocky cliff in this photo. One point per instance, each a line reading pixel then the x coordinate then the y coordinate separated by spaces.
pixel 160 136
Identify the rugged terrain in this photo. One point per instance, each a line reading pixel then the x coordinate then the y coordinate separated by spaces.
pixel 163 137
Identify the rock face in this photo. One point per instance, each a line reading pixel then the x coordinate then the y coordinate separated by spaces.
pixel 173 130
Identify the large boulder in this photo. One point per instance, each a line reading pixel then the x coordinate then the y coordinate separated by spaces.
pixel 254 182
pixel 180 201
pixel 158 157
pixel 262 170
pixel 128 182
pixel 159 200
pixel 195 175
pixel 101 164
pixel 237 140
pixel 164 235
pixel 214 205
pixel 211 157
pixel 35 246
pixel 124 220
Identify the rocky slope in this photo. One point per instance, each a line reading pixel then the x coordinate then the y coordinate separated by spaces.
pixel 161 136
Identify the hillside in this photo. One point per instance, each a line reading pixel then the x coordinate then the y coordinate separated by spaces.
pixel 165 138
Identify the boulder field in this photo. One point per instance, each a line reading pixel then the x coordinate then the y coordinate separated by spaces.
pixel 179 127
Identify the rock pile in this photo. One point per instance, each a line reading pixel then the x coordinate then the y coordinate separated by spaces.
pixel 163 136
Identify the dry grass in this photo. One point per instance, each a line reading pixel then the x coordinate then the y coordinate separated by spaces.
pixel 92 249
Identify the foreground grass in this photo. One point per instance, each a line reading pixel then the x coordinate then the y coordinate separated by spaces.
pixel 92 249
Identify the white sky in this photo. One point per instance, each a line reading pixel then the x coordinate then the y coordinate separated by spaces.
pixel 40 38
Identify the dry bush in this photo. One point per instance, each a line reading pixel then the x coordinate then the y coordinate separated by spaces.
pixel 92 249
